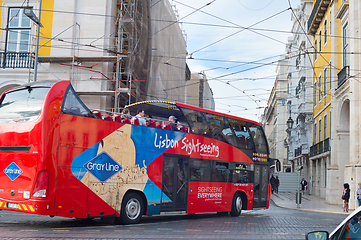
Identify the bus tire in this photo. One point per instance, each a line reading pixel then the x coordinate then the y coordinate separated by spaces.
pixel 132 209
pixel 236 205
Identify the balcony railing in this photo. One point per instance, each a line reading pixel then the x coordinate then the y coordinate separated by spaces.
pixel 315 19
pixel 320 147
pixel 17 60
pixel 343 75
pixel 313 13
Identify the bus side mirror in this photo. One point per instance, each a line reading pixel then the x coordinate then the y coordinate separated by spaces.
pixel 278 165
pixel 317 235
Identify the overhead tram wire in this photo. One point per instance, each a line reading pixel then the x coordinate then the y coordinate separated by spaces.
pixel 101 49
pixel 311 42
pixel 243 29
pixel 196 10
pixel 104 50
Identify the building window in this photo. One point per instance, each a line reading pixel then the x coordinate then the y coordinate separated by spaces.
pixel 319 89
pixel 330 23
pixel 319 130
pixel 325 32
pixel 315 49
pixel 18 34
pixel 325 127
pixel 288 87
pixel 315 94
pixel 345 45
pixel 320 42
pixel 315 134
pixel 330 76
pixel 325 81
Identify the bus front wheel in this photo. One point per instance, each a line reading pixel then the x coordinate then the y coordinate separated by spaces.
pixel 236 205
pixel 132 208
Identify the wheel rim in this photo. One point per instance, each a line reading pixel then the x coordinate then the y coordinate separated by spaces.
pixel 132 208
pixel 238 204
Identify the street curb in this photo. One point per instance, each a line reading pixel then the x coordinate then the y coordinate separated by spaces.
pixel 309 210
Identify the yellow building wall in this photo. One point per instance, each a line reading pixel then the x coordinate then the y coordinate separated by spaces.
pixel 1 19
pixel 322 106
pixel 47 10
pixel 339 45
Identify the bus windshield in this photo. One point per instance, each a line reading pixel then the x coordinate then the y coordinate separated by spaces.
pixel 22 105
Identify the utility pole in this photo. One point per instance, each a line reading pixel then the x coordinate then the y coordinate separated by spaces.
pixel 299 169
pixel 37 46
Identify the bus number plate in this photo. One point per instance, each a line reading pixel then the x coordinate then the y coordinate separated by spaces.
pixel 13 205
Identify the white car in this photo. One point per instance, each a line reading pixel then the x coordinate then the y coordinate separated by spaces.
pixel 350 228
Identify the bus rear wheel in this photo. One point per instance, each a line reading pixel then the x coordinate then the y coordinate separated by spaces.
pixel 132 209
pixel 236 205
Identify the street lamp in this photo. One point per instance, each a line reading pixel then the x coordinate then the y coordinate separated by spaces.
pixel 289 123
pixel 29 12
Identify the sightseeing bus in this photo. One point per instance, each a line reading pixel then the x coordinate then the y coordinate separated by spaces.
pixel 60 158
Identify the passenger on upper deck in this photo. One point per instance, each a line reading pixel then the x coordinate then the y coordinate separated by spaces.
pixel 126 113
pixel 140 117
pixel 173 124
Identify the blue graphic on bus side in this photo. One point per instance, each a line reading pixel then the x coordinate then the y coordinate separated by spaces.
pixel 102 167
pixel 78 162
pixel 13 171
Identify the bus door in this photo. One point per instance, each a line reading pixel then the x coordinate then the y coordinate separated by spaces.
pixel 174 183
pixel 261 177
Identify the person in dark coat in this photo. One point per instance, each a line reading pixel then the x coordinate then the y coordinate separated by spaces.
pixel 272 181
pixel 173 123
pixel 303 186
pixel 345 196
pixel 277 184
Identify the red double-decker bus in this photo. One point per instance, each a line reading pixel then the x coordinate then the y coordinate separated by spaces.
pixel 59 158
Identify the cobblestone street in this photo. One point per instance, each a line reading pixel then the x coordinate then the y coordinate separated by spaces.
pixel 273 223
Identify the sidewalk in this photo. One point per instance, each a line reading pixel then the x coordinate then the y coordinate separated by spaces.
pixel 308 203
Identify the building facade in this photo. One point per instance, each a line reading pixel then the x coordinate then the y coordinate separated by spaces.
pixel 299 90
pixel 275 116
pixel 110 50
pixel 199 93
pixel 335 154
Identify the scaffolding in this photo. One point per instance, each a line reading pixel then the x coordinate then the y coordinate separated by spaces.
pixel 130 55
pixel 132 41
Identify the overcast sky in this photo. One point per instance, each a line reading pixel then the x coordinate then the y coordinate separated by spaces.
pixel 239 63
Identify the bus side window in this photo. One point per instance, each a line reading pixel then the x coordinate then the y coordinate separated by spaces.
pixel 200 170
pixel 243 137
pixel 241 172
pixel 228 133
pixel 220 172
pixel 259 139
pixel 73 105
pixel 240 176
pixel 196 121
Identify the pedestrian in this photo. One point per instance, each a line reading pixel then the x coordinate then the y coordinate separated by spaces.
pixel 277 184
pixel 345 196
pixel 359 194
pixel 273 183
pixel 303 185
